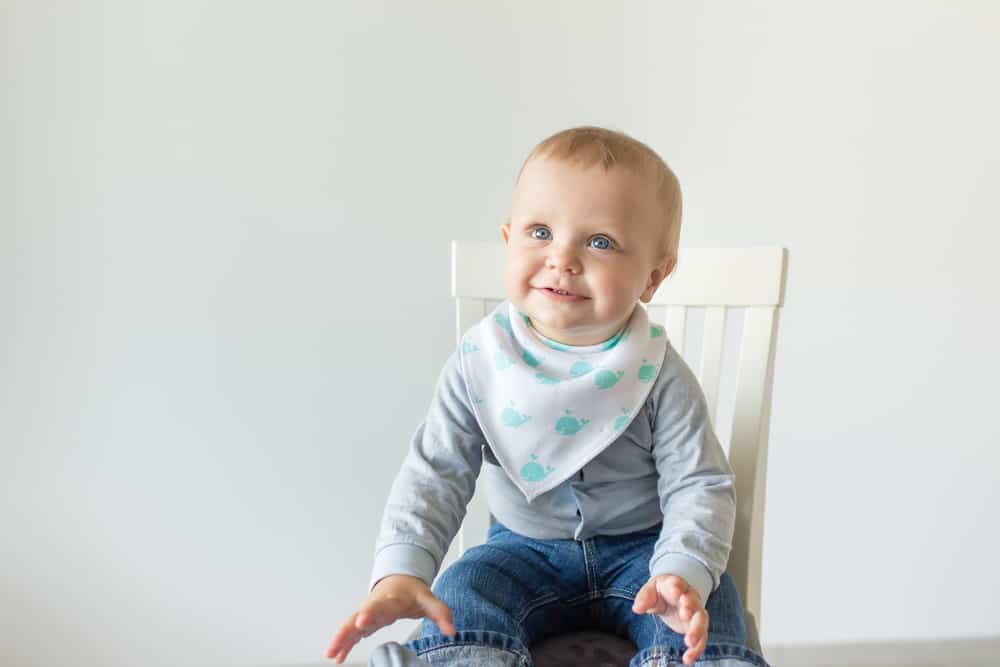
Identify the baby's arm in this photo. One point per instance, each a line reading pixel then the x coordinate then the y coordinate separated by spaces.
pixel 695 485
pixel 432 490
pixel 698 501
pixel 422 515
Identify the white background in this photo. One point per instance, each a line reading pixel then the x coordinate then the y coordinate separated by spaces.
pixel 224 246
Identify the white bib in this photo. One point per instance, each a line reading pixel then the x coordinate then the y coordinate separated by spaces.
pixel 546 412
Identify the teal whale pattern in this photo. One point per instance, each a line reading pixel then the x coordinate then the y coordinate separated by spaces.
pixel 532 471
pixel 512 417
pixel 570 425
pixel 646 372
pixel 606 379
pixel 621 421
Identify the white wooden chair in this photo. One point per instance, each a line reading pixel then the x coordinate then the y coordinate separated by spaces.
pixel 714 280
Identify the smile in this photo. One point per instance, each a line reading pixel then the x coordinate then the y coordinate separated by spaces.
pixel 560 295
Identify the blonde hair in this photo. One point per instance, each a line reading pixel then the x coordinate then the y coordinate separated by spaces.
pixel 589 145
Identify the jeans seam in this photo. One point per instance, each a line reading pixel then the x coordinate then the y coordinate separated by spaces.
pixel 537 603
pixel 590 564
pixel 617 593
pixel 590 596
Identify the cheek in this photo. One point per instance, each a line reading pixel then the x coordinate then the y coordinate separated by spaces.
pixel 520 268
pixel 618 285
pixel 515 277
pixel 611 278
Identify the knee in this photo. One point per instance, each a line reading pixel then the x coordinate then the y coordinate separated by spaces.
pixel 480 596
pixel 453 583
pixel 473 577
pixel 462 589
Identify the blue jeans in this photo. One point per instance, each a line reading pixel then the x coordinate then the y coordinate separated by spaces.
pixel 513 591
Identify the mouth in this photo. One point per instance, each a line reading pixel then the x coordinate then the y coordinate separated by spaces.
pixel 560 295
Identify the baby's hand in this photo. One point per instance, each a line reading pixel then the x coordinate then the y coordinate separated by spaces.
pixel 392 598
pixel 680 607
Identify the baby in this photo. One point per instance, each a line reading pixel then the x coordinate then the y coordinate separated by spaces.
pixel 613 501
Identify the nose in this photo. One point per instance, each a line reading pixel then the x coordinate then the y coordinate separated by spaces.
pixel 562 259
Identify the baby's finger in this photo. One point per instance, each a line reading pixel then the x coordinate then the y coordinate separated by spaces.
pixel 437 611
pixel 692 597
pixel 655 603
pixel 671 589
pixel 350 642
pixel 338 638
pixel 365 620
pixel 377 614
pixel 698 628
pixel 645 598
pixel 347 636
pixel 696 637
pixel 690 603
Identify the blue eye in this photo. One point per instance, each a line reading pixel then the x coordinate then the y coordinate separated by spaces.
pixel 601 242
pixel 541 229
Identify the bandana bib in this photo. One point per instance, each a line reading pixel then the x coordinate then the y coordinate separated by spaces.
pixel 547 409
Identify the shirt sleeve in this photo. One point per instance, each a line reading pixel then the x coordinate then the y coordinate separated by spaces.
pixel 431 492
pixel 695 483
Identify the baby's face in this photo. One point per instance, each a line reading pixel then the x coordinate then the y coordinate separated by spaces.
pixel 589 232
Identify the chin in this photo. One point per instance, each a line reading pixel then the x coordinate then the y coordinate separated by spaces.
pixel 566 325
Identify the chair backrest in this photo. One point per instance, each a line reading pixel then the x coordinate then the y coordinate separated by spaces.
pixel 715 281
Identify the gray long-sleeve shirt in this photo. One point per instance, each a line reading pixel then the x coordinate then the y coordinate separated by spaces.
pixel 667 465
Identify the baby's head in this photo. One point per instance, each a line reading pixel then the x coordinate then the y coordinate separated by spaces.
pixel 597 214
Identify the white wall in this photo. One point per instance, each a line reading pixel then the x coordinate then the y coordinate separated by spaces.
pixel 206 208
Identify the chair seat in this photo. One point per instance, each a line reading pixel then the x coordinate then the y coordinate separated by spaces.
pixel 588 648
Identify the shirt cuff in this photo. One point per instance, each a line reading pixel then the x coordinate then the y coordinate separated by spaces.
pixel 403 558
pixel 690 569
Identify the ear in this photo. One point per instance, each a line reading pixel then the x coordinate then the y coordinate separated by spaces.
pixel 658 275
pixel 505 233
